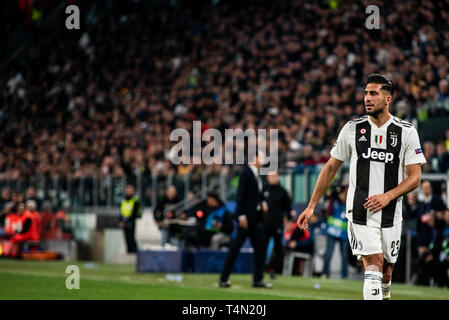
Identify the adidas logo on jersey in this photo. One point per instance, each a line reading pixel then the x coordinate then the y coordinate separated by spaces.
pixel 362 138
pixel 378 155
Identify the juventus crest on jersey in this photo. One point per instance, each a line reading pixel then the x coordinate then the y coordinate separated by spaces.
pixel 378 156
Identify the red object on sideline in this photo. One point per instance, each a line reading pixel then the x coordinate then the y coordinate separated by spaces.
pixel 37 224
pixel 12 223
pixel 9 249
pixel 47 225
pixel 58 233
pixel 33 233
pixel 289 232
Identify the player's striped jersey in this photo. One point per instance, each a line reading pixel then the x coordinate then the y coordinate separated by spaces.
pixel 378 157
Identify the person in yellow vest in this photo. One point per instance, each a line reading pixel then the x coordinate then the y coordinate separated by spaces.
pixel 130 210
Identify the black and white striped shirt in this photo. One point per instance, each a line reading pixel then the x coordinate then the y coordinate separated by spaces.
pixel 378 157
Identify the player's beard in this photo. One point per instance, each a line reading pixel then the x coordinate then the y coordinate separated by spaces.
pixel 378 109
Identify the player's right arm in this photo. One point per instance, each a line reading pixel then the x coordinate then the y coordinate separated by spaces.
pixel 324 181
pixel 339 153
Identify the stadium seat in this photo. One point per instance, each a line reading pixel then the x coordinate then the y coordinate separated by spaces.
pixel 289 260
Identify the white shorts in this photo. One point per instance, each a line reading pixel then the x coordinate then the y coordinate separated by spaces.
pixel 366 240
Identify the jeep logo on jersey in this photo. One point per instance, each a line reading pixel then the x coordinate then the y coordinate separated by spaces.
pixel 379 155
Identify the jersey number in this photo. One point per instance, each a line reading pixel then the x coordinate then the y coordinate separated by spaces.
pixel 394 248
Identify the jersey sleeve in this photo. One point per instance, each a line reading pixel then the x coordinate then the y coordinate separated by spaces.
pixel 342 148
pixel 413 152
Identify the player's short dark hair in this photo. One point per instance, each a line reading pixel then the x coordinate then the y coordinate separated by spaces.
pixel 387 83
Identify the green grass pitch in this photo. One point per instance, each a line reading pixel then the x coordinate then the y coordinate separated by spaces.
pixel 20 279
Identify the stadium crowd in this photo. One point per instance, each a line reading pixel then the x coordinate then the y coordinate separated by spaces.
pixel 426 215
pixel 104 100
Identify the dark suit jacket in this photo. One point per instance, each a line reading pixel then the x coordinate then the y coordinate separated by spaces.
pixel 248 197
pixel 279 206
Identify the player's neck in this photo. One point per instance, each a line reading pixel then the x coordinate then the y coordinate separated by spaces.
pixel 381 118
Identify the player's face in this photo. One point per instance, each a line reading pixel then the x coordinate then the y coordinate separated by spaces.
pixel 376 99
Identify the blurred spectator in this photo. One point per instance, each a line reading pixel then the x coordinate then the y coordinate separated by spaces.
pixel 431 228
pixel 430 245
pixel 47 220
pixel 10 220
pixel 169 199
pixel 18 198
pixel 22 223
pixel 11 224
pixel 31 207
pixel 25 221
pixel 77 113
pixel 5 197
pixel 337 230
pixel 213 223
pixel 223 227
pixel 412 211
pixel 442 156
pixel 31 194
pixel 430 200
pixel 443 259
pixel 63 231
pixel 130 210
pixel 30 225
pixel 163 211
pixel 219 222
pixel 429 153
pixel 275 217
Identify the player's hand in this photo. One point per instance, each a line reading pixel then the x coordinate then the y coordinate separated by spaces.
pixel 243 222
pixel 377 202
pixel 303 219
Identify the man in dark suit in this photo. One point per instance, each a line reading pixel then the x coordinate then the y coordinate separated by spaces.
pixel 279 212
pixel 248 211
